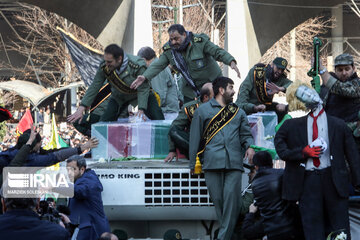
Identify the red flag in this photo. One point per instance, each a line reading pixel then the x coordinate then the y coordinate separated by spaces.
pixel 24 123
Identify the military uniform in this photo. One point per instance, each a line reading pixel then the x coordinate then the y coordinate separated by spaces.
pixel 200 56
pixel 247 96
pixel 342 99
pixel 222 162
pixel 164 84
pixel 88 119
pixel 120 99
pixel 179 130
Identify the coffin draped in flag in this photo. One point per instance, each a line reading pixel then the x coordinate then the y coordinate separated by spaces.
pixel 87 61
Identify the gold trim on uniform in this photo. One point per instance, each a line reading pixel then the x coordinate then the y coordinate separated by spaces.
pixel 117 82
pixel 220 120
pixel 260 85
pixel 190 110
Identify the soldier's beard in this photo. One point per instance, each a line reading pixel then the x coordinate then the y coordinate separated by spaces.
pixel 228 98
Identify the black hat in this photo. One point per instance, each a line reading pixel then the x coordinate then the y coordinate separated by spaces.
pixel 262 159
pixel 281 63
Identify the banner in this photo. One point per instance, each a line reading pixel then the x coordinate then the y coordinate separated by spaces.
pixel 56 141
pixel 24 123
pixel 86 58
pixel 87 61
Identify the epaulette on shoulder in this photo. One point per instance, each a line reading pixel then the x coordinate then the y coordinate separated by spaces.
pixel 133 65
pixel 194 103
pixel 198 39
pixel 166 47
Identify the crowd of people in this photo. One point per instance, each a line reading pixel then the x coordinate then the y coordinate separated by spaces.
pixel 66 131
pixel 306 200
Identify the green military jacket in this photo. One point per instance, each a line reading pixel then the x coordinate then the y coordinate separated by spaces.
pixel 349 89
pixel 247 96
pixel 136 66
pixel 201 56
pixel 226 149
pixel 164 84
pixel 182 121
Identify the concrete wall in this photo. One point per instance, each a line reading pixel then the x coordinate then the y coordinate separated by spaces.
pixel 274 20
pixel 270 21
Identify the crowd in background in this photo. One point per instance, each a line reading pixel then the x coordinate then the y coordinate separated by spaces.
pixel 66 131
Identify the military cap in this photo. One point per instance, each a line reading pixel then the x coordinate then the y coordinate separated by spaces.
pixel 281 63
pixel 173 234
pixel 344 59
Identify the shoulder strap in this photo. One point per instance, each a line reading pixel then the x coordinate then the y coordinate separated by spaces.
pixel 190 110
pixel 220 120
pixel 260 85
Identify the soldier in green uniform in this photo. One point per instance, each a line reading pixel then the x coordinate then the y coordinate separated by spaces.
pixel 219 135
pixel 262 82
pixel 96 111
pixel 341 89
pixel 163 83
pixel 179 130
pixel 341 93
pixel 194 56
pixel 120 70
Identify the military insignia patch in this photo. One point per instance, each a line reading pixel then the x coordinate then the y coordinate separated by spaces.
pixel 197 39
pixel 166 47
pixel 177 235
pixel 260 73
pixel 200 63
pixel 192 109
pixel 133 65
pixel 284 63
pixel 232 109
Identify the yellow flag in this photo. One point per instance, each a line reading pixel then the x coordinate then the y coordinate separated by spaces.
pixel 54 141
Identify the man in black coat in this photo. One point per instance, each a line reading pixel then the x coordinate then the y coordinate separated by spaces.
pixel 315 148
pixel 20 221
pixel 278 216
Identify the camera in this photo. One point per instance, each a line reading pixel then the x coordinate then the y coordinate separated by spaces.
pixel 48 212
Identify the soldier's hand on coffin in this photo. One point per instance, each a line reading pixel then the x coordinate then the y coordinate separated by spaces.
pixel 77 116
pixel 170 157
pixel 260 108
pixel 139 80
pixel 140 114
